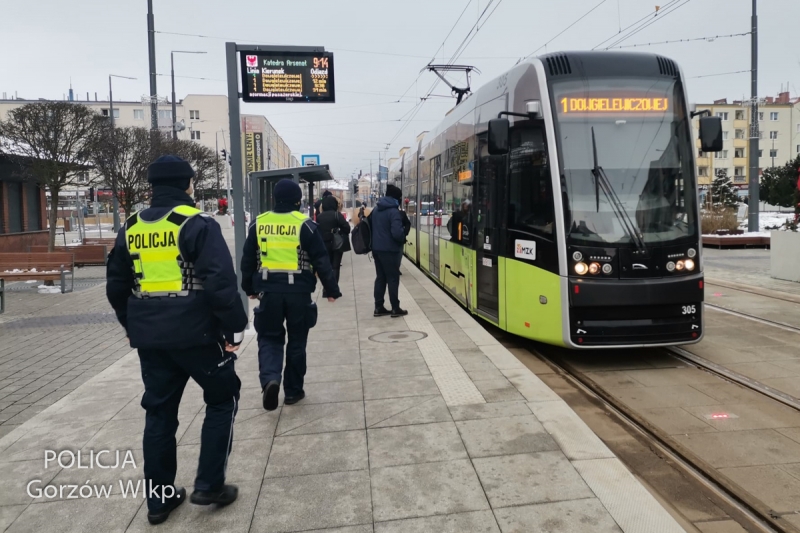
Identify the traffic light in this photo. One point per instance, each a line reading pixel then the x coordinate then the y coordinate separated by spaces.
pixel 224 154
pixel 91 194
pixel 355 187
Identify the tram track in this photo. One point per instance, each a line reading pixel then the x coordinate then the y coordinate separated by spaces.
pixel 745 508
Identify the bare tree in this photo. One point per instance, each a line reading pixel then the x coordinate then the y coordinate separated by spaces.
pixel 123 155
pixel 51 141
pixel 207 166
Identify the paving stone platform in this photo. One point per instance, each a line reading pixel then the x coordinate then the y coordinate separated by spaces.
pixel 439 429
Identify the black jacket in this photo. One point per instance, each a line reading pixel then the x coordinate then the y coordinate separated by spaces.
pixel 204 317
pixel 310 242
pixel 331 219
pixel 388 233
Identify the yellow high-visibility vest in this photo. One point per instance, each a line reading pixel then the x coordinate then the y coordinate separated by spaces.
pixel 158 268
pixel 279 242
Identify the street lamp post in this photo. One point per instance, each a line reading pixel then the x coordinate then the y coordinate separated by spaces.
pixel 172 69
pixel 113 178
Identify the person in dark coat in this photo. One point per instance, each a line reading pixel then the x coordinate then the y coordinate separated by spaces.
pixel 285 294
pixel 388 238
pixel 331 221
pixel 318 203
pixel 186 319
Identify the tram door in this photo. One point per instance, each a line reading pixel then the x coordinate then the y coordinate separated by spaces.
pixel 435 214
pixel 488 197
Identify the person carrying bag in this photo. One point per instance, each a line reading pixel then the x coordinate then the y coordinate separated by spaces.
pixel 335 230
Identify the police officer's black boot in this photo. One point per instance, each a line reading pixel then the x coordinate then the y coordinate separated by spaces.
pixel 172 504
pixel 269 396
pixel 224 496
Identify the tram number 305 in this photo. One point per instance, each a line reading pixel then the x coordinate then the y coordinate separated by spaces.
pixel 689 309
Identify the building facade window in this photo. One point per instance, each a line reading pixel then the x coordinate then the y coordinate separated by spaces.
pixel 723 115
pixel 738 152
pixel 138 114
pixel 760 115
pixel 83 177
pixel 773 153
pixel 739 179
pixel 798 148
pixel 105 112
pixel 798 128
pixel 195 135
pixel 740 115
pixel 194 114
pixel 739 134
pixel 702 171
pixel 165 114
pixel 724 135
pixel 700 153
pixel 773 116
pixel 738 171
pixel 722 154
pixel 773 135
pixel 761 153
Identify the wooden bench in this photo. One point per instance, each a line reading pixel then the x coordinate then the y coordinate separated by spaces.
pixel 86 255
pixel 50 266
pixel 105 242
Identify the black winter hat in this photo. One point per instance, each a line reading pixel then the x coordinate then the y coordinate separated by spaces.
pixel 327 193
pixel 287 192
pixel 171 171
pixel 394 192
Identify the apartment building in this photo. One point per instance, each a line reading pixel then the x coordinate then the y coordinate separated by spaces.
pixel 779 138
pixel 201 118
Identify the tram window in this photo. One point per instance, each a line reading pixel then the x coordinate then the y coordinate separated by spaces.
pixel 530 189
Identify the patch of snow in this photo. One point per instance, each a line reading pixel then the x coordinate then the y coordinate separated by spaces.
pixel 31 281
pixel 45 289
pixel 769 220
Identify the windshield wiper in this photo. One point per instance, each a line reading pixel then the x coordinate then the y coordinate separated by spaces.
pixel 601 181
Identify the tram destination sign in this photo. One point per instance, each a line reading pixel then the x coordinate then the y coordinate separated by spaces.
pixel 287 77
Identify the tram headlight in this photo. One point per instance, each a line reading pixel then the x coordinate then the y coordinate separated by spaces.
pixel 689 264
pixel 680 265
pixel 594 268
pixel 691 253
pixel 671 266
pixel 607 268
pixel 577 256
pixel 581 268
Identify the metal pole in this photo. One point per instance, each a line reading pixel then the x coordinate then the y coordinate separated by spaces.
pixel 752 206
pixel 81 227
pixel 216 154
pixel 174 107
pixel 151 46
pixel 113 177
pixel 239 228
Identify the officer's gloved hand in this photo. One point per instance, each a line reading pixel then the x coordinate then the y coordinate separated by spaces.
pixel 233 340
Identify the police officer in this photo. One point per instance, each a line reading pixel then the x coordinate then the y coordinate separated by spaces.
pixel 282 253
pixel 172 285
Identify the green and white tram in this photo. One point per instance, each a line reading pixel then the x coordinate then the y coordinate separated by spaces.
pixel 561 202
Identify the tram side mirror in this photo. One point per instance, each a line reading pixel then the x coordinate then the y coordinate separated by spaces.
pixel 498 136
pixel 710 134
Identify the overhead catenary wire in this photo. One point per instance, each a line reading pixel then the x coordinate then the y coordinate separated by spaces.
pixel 709 38
pixel 650 23
pixel 456 54
pixel 719 74
pixel 565 29
pixel 626 28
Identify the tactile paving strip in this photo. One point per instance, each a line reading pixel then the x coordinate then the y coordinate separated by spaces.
pixel 633 508
pixel 455 385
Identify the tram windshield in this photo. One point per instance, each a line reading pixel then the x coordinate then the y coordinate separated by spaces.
pixel 643 146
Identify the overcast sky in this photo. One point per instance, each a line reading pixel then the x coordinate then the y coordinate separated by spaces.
pixel 380 47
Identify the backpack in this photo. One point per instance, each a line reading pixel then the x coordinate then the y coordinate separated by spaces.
pixel 361 236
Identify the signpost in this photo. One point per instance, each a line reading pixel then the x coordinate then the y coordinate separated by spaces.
pixel 269 74
pixel 309 160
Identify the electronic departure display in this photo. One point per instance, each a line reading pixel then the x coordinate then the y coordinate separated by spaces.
pixel 613 105
pixel 287 77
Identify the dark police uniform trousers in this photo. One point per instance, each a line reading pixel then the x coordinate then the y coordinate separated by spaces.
pixel 296 309
pixel 165 374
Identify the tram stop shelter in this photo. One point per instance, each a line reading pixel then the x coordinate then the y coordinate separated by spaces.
pixel 262 184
